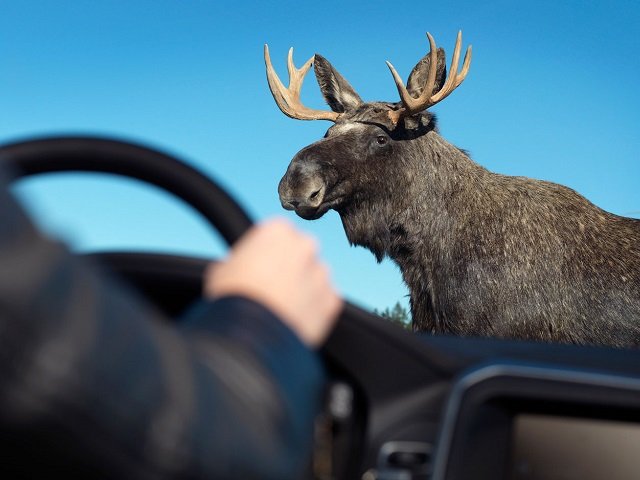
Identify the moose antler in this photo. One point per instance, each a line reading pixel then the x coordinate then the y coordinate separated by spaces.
pixel 288 99
pixel 427 98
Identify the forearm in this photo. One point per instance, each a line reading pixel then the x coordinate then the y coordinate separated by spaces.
pixel 275 391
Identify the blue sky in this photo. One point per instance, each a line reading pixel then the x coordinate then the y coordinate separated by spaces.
pixel 552 94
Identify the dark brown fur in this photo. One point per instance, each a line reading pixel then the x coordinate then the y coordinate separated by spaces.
pixel 482 253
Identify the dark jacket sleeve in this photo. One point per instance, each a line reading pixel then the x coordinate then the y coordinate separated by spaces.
pixel 95 381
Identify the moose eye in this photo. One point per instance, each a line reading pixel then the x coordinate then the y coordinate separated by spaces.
pixel 381 140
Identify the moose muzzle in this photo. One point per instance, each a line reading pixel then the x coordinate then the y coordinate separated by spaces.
pixel 302 189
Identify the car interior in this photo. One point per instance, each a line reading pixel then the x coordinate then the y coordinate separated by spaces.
pixel 400 406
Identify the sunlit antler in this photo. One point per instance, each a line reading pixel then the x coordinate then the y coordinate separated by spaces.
pixel 288 99
pixel 427 98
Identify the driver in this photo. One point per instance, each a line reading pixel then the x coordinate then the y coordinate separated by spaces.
pixel 95 382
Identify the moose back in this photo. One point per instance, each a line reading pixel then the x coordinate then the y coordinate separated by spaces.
pixel 482 253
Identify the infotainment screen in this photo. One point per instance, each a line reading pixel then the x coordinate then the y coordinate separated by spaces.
pixel 565 448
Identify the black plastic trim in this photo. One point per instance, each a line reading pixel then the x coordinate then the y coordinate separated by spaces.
pixel 506 373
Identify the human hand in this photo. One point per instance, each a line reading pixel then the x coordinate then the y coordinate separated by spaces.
pixel 276 265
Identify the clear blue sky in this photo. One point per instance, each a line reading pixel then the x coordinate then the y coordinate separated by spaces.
pixel 552 94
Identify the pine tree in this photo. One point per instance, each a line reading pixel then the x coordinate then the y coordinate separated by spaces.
pixel 398 315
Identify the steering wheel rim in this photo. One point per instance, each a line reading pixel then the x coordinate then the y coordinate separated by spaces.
pixel 104 155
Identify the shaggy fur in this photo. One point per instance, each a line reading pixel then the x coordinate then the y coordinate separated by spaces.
pixel 482 253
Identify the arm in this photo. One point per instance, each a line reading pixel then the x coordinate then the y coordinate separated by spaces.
pixel 90 375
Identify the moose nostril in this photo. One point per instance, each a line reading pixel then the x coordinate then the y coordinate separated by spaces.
pixel 314 195
pixel 294 203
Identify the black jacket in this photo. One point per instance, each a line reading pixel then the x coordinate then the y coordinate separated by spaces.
pixel 95 381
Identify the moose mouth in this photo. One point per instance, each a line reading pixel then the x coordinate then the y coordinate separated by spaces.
pixel 314 213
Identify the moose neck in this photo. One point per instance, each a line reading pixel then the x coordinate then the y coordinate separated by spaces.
pixel 413 213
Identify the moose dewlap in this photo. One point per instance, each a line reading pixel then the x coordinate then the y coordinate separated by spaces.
pixel 482 253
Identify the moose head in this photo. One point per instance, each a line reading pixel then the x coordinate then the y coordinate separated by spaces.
pixel 367 139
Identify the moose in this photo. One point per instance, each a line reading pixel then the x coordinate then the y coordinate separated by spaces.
pixel 483 254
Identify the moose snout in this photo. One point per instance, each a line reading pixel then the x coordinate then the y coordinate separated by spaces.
pixel 303 195
pixel 302 191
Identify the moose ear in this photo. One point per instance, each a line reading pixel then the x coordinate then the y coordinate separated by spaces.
pixel 418 76
pixel 336 90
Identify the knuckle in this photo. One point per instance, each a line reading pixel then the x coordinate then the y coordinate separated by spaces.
pixel 322 276
pixel 308 244
pixel 278 226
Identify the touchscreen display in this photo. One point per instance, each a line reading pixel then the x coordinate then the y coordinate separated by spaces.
pixel 566 448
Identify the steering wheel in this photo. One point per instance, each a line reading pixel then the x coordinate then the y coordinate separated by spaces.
pixel 172 282
pixel 88 154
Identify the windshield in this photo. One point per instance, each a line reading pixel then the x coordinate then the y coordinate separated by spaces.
pixel 551 94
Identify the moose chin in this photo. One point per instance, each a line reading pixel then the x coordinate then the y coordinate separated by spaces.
pixel 483 254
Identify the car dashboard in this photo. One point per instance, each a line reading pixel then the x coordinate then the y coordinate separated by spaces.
pixel 406 406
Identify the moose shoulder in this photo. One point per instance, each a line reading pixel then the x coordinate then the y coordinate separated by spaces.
pixel 482 253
